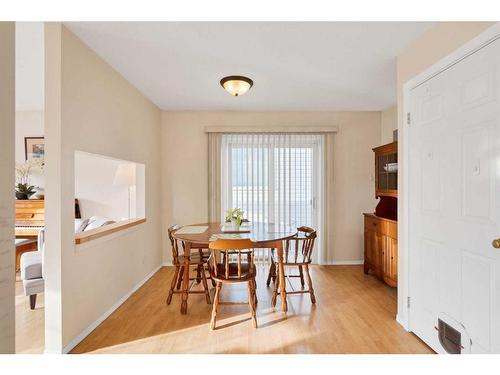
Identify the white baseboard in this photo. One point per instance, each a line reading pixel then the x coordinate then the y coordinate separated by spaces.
pixel 99 320
pixel 344 262
pixel 403 322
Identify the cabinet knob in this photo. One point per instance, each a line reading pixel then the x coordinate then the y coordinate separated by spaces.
pixel 496 243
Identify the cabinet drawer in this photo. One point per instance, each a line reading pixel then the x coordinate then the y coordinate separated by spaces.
pixel 376 225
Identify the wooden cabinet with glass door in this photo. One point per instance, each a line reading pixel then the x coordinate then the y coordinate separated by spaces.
pixel 386 170
pixel 381 227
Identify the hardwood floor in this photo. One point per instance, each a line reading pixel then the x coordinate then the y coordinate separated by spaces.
pixel 355 313
pixel 29 323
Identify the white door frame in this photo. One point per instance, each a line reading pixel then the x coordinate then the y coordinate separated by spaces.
pixel 482 40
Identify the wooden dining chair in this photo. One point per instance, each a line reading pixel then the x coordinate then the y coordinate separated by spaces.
pixel 197 259
pixel 232 261
pixel 297 253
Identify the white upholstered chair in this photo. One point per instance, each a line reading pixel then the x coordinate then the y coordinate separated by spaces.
pixel 32 270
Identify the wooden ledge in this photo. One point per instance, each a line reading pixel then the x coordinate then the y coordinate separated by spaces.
pixel 107 229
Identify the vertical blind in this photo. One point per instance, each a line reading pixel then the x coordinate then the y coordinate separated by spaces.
pixel 274 178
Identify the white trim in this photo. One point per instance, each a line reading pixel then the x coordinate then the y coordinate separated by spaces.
pixel 271 129
pixel 99 320
pixel 483 39
pixel 344 262
pixel 403 322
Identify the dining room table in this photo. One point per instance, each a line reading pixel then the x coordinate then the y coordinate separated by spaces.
pixel 264 235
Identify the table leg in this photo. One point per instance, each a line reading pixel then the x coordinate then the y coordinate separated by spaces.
pixel 185 280
pixel 281 275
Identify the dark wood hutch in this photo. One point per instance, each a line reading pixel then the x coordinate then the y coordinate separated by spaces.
pixel 381 227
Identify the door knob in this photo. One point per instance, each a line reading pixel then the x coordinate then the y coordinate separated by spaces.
pixel 496 243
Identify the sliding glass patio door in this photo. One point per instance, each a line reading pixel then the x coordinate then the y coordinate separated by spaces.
pixel 274 178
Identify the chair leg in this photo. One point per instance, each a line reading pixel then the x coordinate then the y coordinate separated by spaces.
pixel 198 273
pixel 310 284
pixel 254 284
pixel 205 284
pixel 275 291
pixel 210 274
pixel 218 287
pixel 272 271
pixel 32 301
pixel 251 302
pixel 172 285
pixel 301 273
pixel 181 276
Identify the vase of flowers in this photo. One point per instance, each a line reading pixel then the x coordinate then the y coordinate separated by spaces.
pixel 235 217
pixel 23 189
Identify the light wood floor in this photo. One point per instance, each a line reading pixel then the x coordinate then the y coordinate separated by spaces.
pixel 355 313
pixel 29 323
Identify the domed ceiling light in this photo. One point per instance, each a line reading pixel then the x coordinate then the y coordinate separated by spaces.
pixel 236 85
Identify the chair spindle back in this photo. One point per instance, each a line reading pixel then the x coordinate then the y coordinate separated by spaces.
pixel 228 258
pixel 301 246
pixel 174 243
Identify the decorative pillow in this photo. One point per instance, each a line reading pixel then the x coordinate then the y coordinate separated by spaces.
pixel 96 222
pixel 80 225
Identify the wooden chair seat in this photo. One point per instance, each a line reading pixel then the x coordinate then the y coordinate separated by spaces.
pixel 290 260
pixel 194 259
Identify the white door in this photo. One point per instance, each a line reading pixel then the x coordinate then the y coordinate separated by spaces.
pixel 454 210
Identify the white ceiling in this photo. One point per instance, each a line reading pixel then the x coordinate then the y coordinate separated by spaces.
pixel 295 66
pixel 29 66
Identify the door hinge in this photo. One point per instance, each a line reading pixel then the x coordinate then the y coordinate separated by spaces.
pixel 408 118
pixel 408 302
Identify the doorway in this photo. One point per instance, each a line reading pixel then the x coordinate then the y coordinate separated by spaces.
pixel 29 200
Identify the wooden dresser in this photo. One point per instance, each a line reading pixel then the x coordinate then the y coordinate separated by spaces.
pixel 381 227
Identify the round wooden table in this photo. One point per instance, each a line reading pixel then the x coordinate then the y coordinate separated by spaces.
pixel 264 235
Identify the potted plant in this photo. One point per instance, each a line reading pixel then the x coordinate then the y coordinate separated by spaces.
pixel 235 217
pixel 24 190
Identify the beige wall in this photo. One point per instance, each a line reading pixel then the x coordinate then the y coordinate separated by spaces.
pixel 7 121
pixel 388 123
pixel 184 171
pixel 435 44
pixel 91 108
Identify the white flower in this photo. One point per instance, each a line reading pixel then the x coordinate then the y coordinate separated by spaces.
pixel 24 170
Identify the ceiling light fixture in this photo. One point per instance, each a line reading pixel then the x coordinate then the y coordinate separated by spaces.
pixel 236 85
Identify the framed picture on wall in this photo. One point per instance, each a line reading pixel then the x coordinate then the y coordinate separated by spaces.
pixel 34 148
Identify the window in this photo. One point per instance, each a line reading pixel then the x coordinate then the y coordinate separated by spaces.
pixel 274 178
